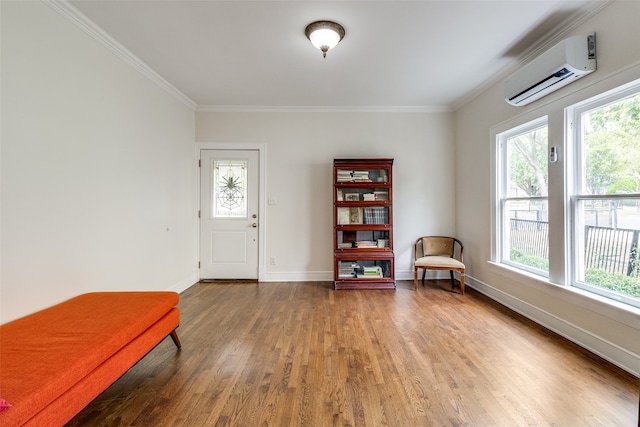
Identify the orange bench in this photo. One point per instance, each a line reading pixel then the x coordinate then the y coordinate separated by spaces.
pixel 55 361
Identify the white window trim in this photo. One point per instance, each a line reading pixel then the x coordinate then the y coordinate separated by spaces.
pixel 574 191
pixel 498 170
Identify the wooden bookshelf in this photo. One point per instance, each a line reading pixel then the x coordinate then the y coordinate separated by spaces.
pixel 363 224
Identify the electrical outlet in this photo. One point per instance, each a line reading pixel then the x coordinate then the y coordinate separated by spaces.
pixel 273 260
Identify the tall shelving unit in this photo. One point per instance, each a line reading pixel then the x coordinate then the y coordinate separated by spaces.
pixel 363 224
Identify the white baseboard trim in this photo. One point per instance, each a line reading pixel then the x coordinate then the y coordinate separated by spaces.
pixel 609 351
pixel 299 276
pixel 431 275
pixel 327 276
pixel 185 283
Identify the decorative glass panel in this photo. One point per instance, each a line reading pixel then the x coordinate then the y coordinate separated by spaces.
pixel 229 189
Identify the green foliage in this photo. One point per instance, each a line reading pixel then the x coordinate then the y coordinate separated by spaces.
pixel 627 285
pixel 528 161
pixel 623 185
pixel 612 143
pixel 529 260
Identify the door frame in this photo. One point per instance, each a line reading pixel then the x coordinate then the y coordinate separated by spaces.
pixel 261 148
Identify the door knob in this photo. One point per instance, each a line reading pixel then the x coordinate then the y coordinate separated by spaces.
pixel 254 225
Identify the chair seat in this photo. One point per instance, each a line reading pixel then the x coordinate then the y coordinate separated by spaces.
pixel 438 261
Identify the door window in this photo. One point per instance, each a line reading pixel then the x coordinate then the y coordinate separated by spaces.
pixel 229 189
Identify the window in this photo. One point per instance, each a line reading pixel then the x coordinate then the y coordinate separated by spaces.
pixel 523 239
pixel 229 189
pixel 605 200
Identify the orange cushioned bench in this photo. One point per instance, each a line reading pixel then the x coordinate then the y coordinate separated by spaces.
pixel 54 362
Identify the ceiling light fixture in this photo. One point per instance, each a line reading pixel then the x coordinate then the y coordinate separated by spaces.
pixel 324 35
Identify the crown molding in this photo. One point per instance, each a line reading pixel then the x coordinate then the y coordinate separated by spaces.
pixel 64 8
pixel 320 109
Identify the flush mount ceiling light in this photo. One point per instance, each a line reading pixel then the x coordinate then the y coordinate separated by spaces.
pixel 324 35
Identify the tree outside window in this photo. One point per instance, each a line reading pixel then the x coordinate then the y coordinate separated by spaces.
pixel 524 207
pixel 607 214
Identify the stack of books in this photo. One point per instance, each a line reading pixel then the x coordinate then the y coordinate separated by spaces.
pixel 361 176
pixel 370 273
pixel 347 269
pixel 344 175
pixel 370 197
pixel 380 195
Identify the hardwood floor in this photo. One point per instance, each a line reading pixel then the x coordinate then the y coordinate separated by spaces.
pixel 302 354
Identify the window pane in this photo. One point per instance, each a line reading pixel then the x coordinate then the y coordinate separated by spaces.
pixel 526 239
pixel 524 217
pixel 611 138
pixel 229 189
pixel 608 253
pixel 527 163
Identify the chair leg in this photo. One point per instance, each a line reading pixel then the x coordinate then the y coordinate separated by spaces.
pixel 415 278
pixel 453 282
pixel 462 281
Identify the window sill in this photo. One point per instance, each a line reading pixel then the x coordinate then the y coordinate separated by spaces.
pixel 612 309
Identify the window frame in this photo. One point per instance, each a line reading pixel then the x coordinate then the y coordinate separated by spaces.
pixel 501 234
pixel 576 192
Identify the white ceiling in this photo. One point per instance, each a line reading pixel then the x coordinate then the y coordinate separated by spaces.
pixel 405 55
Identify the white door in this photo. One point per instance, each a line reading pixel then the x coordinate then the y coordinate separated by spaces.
pixel 229 222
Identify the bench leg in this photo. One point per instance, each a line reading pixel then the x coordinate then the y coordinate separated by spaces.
pixel 176 340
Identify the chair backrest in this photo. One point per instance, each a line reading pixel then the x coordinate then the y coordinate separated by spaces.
pixel 438 246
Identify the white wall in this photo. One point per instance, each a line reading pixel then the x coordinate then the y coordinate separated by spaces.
pixel 97 169
pixel 607 329
pixel 300 151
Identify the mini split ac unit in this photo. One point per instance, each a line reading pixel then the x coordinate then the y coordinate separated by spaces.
pixel 562 64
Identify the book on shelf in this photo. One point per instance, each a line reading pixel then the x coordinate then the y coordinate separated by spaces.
pixel 370 273
pixel 346 272
pixel 345 245
pixel 366 244
pixel 369 197
pixel 342 216
pixel 350 264
pixel 381 195
pixel 344 175
pixel 355 215
pixel 352 215
pixel 361 176
pixel 375 215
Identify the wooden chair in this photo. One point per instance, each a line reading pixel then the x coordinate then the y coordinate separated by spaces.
pixel 438 253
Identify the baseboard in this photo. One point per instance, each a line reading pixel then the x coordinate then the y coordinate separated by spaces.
pixel 185 283
pixel 327 276
pixel 595 344
pixel 299 276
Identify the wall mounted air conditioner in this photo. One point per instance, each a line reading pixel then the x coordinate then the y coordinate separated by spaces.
pixel 562 64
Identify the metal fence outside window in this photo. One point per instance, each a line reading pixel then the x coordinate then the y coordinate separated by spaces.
pixel 614 250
